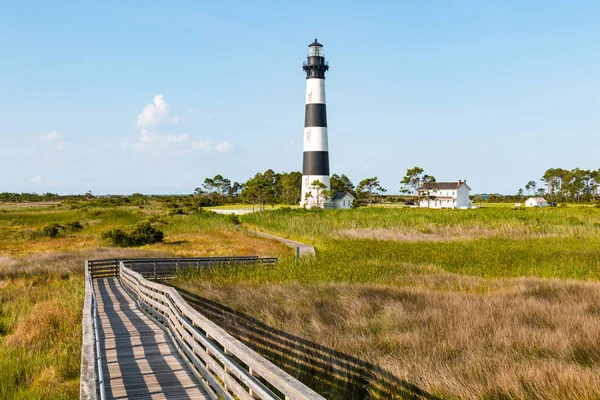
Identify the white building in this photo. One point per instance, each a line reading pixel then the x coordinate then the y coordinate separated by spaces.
pixel 446 195
pixel 536 202
pixel 342 200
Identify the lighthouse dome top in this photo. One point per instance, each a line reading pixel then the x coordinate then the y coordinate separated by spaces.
pixel 315 44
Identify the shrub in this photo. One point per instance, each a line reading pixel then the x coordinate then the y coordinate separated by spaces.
pixel 52 230
pixel 176 211
pixel 142 233
pixel 73 226
pixel 234 219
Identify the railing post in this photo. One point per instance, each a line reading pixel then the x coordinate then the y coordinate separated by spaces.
pixel 154 270
pixel 297 253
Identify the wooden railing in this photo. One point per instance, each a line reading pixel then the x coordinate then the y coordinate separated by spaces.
pixel 167 268
pixel 92 376
pixel 231 369
pixel 102 268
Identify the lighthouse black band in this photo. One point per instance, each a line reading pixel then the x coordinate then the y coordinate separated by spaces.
pixel 316 115
pixel 315 163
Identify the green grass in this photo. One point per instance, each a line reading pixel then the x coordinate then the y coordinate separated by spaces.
pixel 42 285
pixel 456 302
pixel 240 206
pixel 494 242
pixel 465 255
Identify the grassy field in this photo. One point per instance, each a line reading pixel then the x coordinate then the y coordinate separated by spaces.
pixel 489 303
pixel 492 303
pixel 42 282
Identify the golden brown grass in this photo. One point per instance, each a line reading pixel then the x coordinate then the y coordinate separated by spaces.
pixel 220 243
pixel 41 300
pixel 437 233
pixel 450 335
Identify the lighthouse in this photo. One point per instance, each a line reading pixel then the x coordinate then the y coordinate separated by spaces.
pixel 315 166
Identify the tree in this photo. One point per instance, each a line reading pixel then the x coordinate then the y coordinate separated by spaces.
pixel 413 182
pixel 260 190
pixel 520 193
pixel 234 191
pixel 530 187
pixel 429 188
pixel 289 187
pixel 318 193
pixel 368 188
pixel 341 183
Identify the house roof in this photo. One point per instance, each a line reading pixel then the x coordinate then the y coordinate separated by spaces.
pixel 446 185
pixel 537 199
pixel 341 195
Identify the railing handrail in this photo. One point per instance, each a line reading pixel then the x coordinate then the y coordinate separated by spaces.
pixel 97 342
pixel 92 375
pixel 210 349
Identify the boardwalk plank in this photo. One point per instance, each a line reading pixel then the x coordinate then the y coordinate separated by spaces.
pixel 140 361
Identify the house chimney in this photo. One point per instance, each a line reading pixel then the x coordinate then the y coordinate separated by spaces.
pixel 346 190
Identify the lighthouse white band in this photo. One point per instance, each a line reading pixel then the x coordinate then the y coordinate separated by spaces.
pixel 307 180
pixel 315 91
pixel 315 139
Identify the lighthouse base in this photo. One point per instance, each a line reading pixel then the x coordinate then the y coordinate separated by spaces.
pixel 326 204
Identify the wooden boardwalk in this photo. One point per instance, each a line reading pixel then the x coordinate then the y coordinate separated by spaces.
pixel 138 357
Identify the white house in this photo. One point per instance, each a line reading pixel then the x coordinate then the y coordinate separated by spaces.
pixel 536 202
pixel 342 200
pixel 445 195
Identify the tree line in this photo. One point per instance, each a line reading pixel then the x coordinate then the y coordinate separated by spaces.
pixel 270 187
pixel 564 185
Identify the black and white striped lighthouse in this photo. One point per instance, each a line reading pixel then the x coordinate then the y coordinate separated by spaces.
pixel 315 165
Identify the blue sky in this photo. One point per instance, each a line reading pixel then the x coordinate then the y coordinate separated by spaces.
pixel 152 97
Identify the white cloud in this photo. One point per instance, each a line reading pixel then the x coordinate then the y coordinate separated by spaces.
pixel 37 179
pixel 54 135
pixel 178 138
pixel 154 113
pixel 225 147
pixel 149 122
pixel 152 123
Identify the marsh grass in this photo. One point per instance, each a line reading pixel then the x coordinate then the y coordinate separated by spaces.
pixel 41 300
pixel 450 301
pixel 495 242
pixel 42 282
pixel 450 335
pixel 191 234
